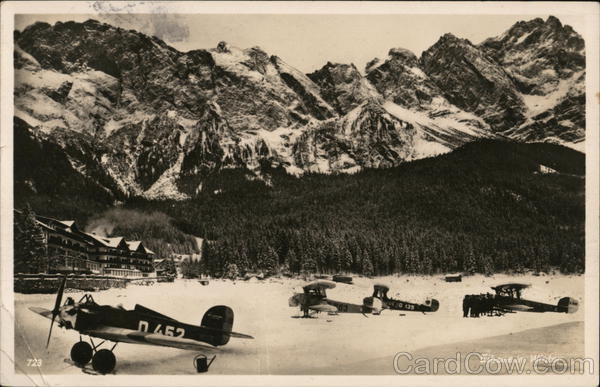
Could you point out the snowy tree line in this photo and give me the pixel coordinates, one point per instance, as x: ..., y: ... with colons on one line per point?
x: 304, y: 252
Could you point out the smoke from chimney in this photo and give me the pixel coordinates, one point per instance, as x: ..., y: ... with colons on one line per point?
x: 100, y: 227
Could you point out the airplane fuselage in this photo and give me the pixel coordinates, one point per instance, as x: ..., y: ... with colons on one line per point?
x: 88, y: 317
x: 390, y: 303
x: 521, y: 304
x: 307, y: 300
x: 345, y: 307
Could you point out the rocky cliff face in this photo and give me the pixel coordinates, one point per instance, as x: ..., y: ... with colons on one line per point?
x: 474, y: 82
x: 165, y: 116
x: 343, y: 87
x: 546, y: 62
x: 527, y: 84
x: 145, y: 119
x: 411, y: 93
x: 401, y: 80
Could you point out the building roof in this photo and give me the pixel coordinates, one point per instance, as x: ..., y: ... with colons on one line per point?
x: 70, y: 227
x: 133, y: 245
x: 67, y: 226
x: 44, y: 225
x: 114, y: 242
x: 98, y: 238
x: 54, y: 222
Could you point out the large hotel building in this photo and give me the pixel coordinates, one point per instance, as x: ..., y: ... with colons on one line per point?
x: 72, y: 250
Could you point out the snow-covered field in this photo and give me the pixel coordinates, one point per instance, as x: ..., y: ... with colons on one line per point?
x: 287, y: 345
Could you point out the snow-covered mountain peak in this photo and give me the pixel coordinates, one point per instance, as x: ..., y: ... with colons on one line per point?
x: 145, y: 119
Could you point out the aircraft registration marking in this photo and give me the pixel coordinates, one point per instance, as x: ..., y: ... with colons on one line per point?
x: 342, y: 307
x: 401, y: 305
x: 166, y: 330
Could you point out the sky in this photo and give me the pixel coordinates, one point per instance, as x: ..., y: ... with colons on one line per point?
x: 308, y: 42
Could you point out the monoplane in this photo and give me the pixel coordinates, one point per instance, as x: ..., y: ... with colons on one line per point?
x: 138, y: 326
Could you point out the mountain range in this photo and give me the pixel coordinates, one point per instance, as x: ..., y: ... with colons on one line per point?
x: 135, y: 117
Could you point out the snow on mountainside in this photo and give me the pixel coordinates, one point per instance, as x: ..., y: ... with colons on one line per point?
x: 473, y: 82
x: 411, y: 95
x: 439, y: 134
x: 547, y: 63
x: 157, y: 122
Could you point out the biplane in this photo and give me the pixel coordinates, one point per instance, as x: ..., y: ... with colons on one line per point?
x: 314, y: 298
x: 508, y: 299
x: 138, y: 326
x: 380, y: 292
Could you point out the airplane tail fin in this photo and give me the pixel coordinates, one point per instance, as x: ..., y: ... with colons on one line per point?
x: 568, y: 305
x: 220, y: 319
x: 433, y: 304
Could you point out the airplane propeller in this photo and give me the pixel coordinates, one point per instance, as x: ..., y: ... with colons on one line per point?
x: 56, y: 310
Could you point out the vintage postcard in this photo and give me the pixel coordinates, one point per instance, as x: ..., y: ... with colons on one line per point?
x: 329, y: 193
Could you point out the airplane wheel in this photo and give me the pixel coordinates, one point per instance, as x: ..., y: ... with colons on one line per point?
x: 81, y: 353
x: 104, y: 361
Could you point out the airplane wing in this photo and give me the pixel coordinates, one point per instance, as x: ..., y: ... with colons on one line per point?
x: 516, y: 286
x: 519, y: 307
x: 148, y: 338
x: 319, y: 284
x: 323, y: 308
x: 42, y: 312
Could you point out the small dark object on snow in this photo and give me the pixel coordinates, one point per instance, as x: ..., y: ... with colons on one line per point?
x: 202, y: 364
x: 453, y: 278
x: 342, y: 278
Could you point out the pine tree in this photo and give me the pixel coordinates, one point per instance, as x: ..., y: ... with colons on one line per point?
x: 469, y: 264
x: 267, y: 260
x: 232, y: 271
x: 425, y: 262
x: 30, y: 254
x: 190, y: 269
x: 345, y: 258
x: 486, y: 265
x: 209, y: 256
x: 309, y: 266
x: 170, y: 268
x: 241, y: 259
x: 367, y: 265
x: 292, y: 261
x: 412, y: 264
